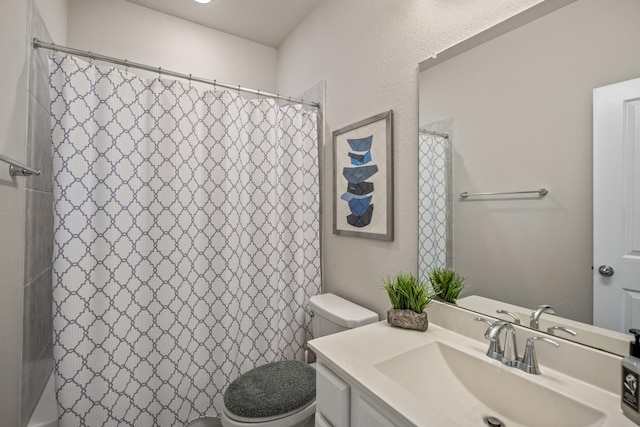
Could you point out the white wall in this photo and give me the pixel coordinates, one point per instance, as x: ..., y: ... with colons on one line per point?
x: 522, y: 111
x: 128, y: 31
x: 368, y: 52
x: 13, y: 126
x: 54, y: 13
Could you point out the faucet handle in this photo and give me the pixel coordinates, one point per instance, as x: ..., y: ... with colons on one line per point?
x: 529, y: 362
x: 515, y: 317
x: 552, y: 329
x: 483, y: 319
x: 495, y: 347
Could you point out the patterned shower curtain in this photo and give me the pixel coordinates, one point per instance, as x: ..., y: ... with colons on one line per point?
x: 435, y: 216
x: 186, y: 243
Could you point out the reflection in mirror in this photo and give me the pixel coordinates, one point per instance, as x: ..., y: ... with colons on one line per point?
x: 523, y: 114
x: 435, y: 181
x: 583, y: 333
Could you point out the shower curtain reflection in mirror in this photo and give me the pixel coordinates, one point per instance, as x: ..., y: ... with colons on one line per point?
x: 435, y: 197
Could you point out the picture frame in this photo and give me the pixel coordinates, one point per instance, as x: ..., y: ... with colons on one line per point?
x: 363, y: 178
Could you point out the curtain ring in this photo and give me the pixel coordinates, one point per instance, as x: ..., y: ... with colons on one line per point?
x: 189, y: 79
x: 91, y: 58
x: 126, y: 66
x: 159, y: 72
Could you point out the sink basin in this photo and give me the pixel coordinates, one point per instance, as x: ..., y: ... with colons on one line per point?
x: 467, y: 389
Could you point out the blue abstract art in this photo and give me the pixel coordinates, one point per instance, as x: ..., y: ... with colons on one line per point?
x: 363, y: 165
x: 361, y: 144
x: 360, y: 159
x: 361, y: 174
x: 360, y: 188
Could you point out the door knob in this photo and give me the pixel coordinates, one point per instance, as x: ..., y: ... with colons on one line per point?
x: 606, y: 270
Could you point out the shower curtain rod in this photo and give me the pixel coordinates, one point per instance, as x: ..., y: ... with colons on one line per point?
x: 434, y: 133
x: 94, y: 56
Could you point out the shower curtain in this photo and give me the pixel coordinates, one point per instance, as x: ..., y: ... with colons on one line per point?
x: 186, y: 242
x: 435, y: 186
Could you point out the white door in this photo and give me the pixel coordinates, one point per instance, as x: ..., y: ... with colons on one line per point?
x: 616, y: 206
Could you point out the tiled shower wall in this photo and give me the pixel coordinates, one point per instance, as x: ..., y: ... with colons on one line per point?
x: 37, y: 356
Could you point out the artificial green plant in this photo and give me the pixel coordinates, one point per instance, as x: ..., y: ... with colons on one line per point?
x: 446, y: 283
x: 406, y: 292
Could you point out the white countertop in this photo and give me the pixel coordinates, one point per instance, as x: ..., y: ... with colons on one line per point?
x: 357, y: 352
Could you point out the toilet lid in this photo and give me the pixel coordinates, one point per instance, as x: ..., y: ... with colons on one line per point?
x: 270, y: 390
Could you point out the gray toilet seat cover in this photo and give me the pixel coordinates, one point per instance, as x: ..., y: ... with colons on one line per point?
x: 272, y: 389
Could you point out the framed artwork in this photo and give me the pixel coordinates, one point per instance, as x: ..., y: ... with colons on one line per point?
x: 363, y: 178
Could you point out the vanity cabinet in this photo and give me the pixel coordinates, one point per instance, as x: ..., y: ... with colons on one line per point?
x: 341, y: 402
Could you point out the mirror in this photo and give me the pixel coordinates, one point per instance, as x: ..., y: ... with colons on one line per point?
x: 519, y: 113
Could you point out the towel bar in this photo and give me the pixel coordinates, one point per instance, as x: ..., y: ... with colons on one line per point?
x: 17, y: 168
x: 542, y: 192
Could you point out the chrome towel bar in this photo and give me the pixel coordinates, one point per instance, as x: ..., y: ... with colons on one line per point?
x: 17, y: 168
x: 541, y: 192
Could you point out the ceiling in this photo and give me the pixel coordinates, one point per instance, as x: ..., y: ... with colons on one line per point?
x: 266, y: 22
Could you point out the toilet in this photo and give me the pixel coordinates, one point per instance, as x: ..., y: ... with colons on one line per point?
x: 282, y: 394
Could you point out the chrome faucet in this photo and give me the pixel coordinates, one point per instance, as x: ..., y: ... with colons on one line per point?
x: 495, y: 348
x: 535, y: 314
x: 509, y: 354
x: 529, y: 362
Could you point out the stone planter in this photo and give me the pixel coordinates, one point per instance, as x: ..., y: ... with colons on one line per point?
x: 408, y: 319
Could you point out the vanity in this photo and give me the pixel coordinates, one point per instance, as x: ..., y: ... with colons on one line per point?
x: 379, y: 375
x: 507, y: 180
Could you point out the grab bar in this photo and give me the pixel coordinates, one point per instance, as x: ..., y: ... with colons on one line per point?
x: 542, y: 192
x: 17, y: 168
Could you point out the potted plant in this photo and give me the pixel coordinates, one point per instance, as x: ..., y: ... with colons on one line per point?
x: 408, y: 299
x: 447, y: 283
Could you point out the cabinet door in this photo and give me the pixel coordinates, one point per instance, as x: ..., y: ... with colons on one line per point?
x: 366, y: 415
x: 332, y: 397
x: 321, y: 422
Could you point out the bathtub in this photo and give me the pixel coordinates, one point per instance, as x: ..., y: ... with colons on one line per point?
x: 46, y: 412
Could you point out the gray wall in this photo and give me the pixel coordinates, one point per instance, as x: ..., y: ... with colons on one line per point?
x: 13, y: 135
x: 26, y: 220
x: 37, y: 356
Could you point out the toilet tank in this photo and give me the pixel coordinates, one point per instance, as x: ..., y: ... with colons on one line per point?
x: 332, y: 314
